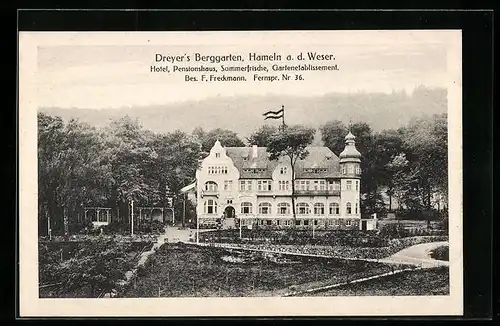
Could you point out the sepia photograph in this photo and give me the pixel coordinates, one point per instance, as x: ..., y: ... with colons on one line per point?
x: 242, y: 165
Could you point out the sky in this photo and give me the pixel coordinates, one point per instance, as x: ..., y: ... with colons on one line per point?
x: 117, y: 74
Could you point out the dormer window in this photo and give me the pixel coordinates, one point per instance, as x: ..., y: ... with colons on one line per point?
x: 217, y: 155
x: 283, y: 170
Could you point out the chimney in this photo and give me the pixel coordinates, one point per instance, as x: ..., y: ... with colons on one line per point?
x: 254, y: 151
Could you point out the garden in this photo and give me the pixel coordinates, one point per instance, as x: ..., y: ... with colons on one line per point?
x: 85, y: 269
x: 184, y: 270
x: 355, y: 244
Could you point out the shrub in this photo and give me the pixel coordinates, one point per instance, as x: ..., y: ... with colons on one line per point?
x: 121, y: 228
x: 440, y: 253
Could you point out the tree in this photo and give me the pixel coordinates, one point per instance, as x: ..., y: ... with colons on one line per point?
x: 226, y: 137
x: 291, y: 143
x: 426, y: 144
x: 387, y: 144
x: 332, y: 134
x: 71, y: 169
x: 261, y: 136
x: 131, y: 154
x: 178, y: 160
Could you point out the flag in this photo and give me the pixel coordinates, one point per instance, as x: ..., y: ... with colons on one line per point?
x: 273, y: 114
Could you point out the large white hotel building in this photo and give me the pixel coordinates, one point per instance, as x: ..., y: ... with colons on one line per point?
x: 242, y: 184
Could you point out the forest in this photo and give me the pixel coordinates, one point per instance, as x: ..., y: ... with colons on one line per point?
x: 404, y: 170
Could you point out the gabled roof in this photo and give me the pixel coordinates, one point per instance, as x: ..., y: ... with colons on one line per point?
x: 262, y: 167
x: 188, y: 187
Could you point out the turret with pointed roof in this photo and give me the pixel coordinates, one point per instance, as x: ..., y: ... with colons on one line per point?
x: 350, y: 153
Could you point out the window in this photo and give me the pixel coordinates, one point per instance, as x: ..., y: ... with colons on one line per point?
x: 350, y: 169
x: 217, y: 155
x: 283, y: 170
x: 217, y: 170
x: 287, y: 222
x: 210, y: 186
x: 357, y: 185
x: 307, y: 184
x: 334, y: 209
x: 302, y: 208
x: 210, y: 207
x: 228, y: 185
x: 306, y: 222
x: 229, y: 201
x: 348, y: 222
x: 316, y: 185
x: 245, y: 185
x: 356, y: 209
x: 283, y: 209
x: 284, y: 185
x: 349, y: 184
x: 277, y: 222
x: 264, y: 185
x: 246, y: 208
x: 336, y: 185
x: 297, y: 222
x: 344, y: 171
x: 269, y: 222
x: 322, y: 185
x: 348, y: 208
x: 358, y: 170
x: 319, y: 209
x: 264, y: 208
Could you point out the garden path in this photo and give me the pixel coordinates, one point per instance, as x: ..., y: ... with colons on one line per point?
x: 418, y: 255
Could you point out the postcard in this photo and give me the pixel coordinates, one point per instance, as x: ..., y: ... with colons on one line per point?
x: 240, y: 173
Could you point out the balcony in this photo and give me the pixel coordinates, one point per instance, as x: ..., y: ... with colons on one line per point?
x: 210, y: 193
x: 317, y: 192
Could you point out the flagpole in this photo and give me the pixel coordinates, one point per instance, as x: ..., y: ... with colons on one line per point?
x: 283, y: 117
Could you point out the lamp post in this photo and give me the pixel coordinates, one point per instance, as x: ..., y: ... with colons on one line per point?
x: 49, y: 230
x: 197, y: 230
x: 240, y: 227
x: 184, y: 210
x: 132, y: 216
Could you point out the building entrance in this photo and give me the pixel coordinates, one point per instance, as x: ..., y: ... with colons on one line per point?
x: 229, y: 212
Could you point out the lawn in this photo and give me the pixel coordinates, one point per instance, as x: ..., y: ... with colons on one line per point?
x: 180, y: 270
x: 432, y: 281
